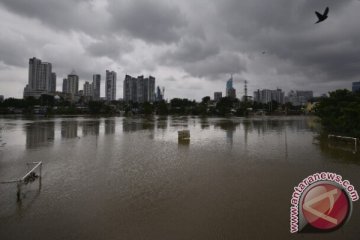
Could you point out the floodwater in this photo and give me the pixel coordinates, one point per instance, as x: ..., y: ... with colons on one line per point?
x: 130, y: 178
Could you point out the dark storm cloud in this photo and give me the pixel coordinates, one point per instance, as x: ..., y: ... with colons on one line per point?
x: 151, y: 21
x: 63, y: 15
x: 201, y: 58
x: 286, y: 29
x: 205, y: 39
x: 247, y: 18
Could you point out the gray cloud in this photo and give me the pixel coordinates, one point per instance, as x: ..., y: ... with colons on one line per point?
x: 191, y: 50
x: 170, y: 79
x: 286, y: 29
x: 79, y: 15
x: 156, y: 22
x: 205, y: 40
x: 12, y: 51
x: 216, y: 67
x: 109, y: 47
x: 201, y: 58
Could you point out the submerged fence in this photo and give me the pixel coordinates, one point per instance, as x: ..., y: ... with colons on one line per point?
x: 331, y: 136
x: 29, y: 177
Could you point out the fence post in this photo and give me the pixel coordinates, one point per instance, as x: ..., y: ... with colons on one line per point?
x: 18, y: 192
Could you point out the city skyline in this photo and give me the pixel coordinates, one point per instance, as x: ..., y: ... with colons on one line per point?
x: 42, y: 81
x: 188, y: 52
x: 52, y: 84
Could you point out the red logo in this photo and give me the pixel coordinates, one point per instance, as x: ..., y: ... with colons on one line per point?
x: 325, y: 207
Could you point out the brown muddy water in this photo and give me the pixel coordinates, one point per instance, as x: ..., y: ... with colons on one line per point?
x: 130, y: 178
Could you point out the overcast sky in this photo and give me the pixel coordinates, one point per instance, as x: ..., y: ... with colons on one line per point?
x: 190, y: 46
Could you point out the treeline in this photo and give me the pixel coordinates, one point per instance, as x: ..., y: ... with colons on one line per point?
x: 48, y: 105
x: 224, y: 107
x: 340, y: 113
x: 177, y: 106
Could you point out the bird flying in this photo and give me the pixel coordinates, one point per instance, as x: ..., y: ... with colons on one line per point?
x: 322, y: 17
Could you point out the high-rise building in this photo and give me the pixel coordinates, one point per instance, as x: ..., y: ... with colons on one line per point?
x: 356, y: 86
x: 64, y: 85
x: 278, y: 96
x: 299, y: 98
x: 217, y: 96
x: 40, y: 78
x: 110, y: 85
x: 140, y: 85
x: 266, y: 96
x: 34, y: 73
x: 46, y: 76
x: 96, y: 86
x: 150, y: 89
x: 1, y: 98
x: 139, y: 89
x: 71, y: 84
x: 129, y: 83
x: 39, y: 74
x: 88, y: 89
x: 230, y: 90
x: 53, y: 83
x: 257, y: 96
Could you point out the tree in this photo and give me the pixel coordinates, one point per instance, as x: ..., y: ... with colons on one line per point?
x: 340, y: 112
x: 95, y: 107
x: 181, y: 106
x: 47, y: 100
x: 205, y: 100
x: 225, y: 105
x: 162, y: 108
x: 147, y: 108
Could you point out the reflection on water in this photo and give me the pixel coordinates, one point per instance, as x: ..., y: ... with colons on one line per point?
x: 244, y: 133
x: 138, y: 124
x: 109, y: 126
x: 130, y: 178
x: 90, y: 128
x: 69, y: 129
x: 179, y: 121
x: 162, y: 123
x: 39, y: 133
x: 229, y: 127
x: 204, y: 123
